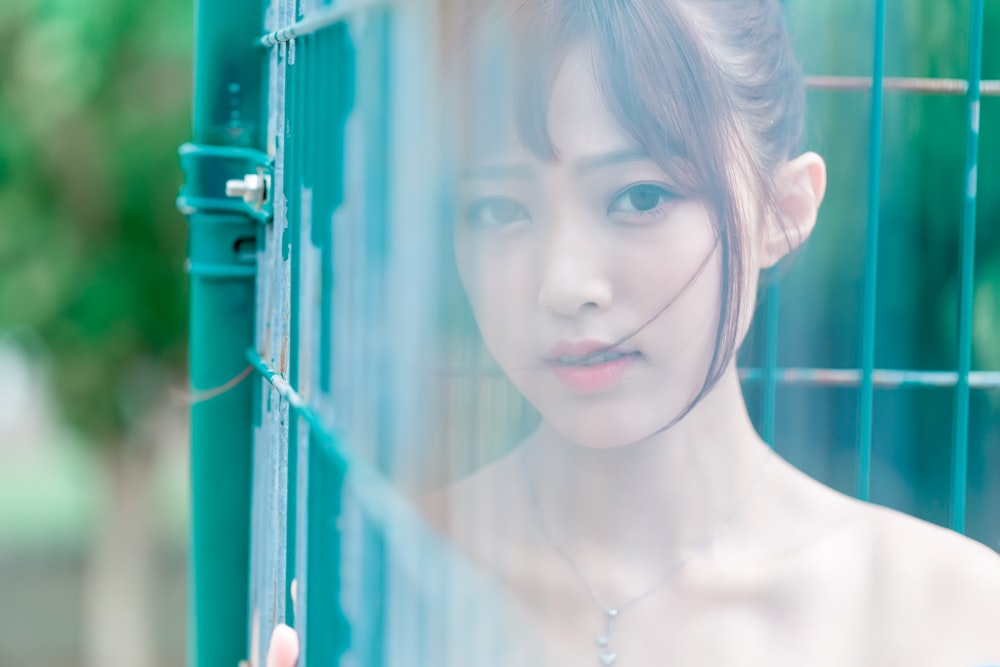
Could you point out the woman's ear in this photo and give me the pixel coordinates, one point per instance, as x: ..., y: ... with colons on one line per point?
x: 800, y: 185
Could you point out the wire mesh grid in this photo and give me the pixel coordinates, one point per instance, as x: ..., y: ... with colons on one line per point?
x: 339, y: 275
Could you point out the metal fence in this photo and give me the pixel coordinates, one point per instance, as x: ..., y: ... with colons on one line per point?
x: 313, y: 332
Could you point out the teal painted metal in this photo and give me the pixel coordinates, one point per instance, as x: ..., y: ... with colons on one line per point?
x: 382, y: 499
x: 275, y: 443
x: 209, y: 168
x: 327, y: 633
x: 228, y: 138
x: 871, y: 259
x: 222, y: 237
x: 330, y: 81
x: 372, y: 102
x: 300, y: 406
x: 301, y: 476
x: 770, y: 361
x: 321, y: 18
x: 960, y: 461
x: 881, y: 377
x: 295, y: 97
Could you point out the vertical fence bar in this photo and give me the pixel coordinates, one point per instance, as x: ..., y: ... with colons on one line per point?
x: 295, y: 147
x: 771, y: 361
x: 871, y: 259
x: 771, y: 342
x: 372, y: 247
x: 960, y: 453
x: 227, y: 113
x: 330, y: 77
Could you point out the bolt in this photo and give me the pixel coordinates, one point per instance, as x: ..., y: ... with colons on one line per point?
x: 252, y: 188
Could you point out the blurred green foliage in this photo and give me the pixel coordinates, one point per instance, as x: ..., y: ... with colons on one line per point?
x: 94, y: 100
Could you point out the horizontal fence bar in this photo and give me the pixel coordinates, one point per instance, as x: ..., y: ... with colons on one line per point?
x: 822, y: 377
x: 285, y: 390
x: 881, y: 378
x: 325, y: 18
x: 913, y: 84
x: 933, y: 86
x: 382, y: 500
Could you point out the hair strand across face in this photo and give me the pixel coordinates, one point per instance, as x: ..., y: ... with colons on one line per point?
x: 710, y: 90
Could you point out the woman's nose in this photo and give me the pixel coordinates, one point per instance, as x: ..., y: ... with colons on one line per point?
x: 573, y: 279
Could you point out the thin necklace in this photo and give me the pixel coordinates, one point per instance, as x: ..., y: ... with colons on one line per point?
x: 607, y: 654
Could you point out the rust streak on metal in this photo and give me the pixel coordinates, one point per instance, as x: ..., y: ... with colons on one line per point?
x: 283, y: 361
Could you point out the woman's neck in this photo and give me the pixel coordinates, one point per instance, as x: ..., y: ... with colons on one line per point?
x: 653, y: 500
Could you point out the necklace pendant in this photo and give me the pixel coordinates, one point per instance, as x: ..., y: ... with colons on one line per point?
x: 607, y: 656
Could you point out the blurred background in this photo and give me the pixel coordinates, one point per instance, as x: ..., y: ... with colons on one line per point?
x: 94, y: 101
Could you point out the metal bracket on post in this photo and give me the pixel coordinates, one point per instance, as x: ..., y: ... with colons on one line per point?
x: 226, y: 197
x: 222, y: 179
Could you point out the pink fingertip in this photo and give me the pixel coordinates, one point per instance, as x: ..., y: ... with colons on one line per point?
x: 284, y: 648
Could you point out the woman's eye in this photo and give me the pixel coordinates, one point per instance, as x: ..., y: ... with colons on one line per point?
x: 643, y: 199
x: 496, y: 211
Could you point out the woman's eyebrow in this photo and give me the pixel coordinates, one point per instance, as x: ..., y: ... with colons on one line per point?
x: 500, y: 171
x: 582, y: 165
x: 595, y: 162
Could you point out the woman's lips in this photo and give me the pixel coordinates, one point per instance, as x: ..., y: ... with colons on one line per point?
x: 582, y: 367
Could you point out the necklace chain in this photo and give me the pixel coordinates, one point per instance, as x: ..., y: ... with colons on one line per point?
x: 607, y: 655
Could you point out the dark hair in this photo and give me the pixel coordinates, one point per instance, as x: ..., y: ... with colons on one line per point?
x: 709, y: 88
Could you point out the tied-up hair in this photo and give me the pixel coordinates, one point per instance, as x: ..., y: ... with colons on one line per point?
x: 710, y: 89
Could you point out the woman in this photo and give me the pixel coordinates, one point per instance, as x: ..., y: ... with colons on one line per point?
x: 617, y: 208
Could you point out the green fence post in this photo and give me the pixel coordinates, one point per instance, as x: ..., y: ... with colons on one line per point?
x: 228, y: 138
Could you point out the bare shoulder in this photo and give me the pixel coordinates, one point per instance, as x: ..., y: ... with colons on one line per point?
x: 907, y: 556
x: 936, y: 558
x: 919, y: 594
x: 942, y: 589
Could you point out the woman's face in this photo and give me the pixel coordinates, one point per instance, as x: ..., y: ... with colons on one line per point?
x: 563, y: 257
